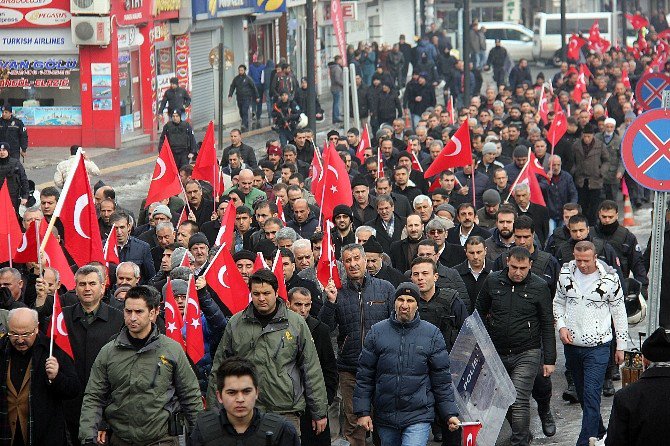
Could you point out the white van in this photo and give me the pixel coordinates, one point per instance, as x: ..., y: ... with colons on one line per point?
x: 547, y: 30
x: 517, y: 39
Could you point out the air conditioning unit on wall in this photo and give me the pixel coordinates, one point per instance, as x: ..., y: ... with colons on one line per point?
x: 91, y: 30
x: 97, y: 7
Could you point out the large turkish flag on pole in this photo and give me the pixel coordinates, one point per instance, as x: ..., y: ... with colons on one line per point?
x: 165, y: 181
x: 456, y: 153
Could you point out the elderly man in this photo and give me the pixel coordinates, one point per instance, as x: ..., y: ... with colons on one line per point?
x: 354, y: 308
x: 423, y: 206
x: 127, y: 273
x: 592, y: 159
x: 245, y: 185
x: 302, y: 251
x: 11, y: 279
x: 199, y: 247
x: 165, y: 235
x: 536, y: 212
x: 449, y: 254
x: 36, y: 383
x: 376, y: 267
x: 200, y: 210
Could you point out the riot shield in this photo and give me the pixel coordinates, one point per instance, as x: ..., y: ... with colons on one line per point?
x: 482, y: 387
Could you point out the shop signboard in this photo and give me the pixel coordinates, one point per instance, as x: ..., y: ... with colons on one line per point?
x: 36, y: 40
x: 34, y: 13
x: 209, y: 9
x: 38, y: 72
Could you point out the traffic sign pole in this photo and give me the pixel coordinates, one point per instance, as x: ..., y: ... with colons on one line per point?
x: 657, y: 240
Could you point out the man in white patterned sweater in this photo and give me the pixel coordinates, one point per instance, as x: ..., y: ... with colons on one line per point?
x: 588, y: 298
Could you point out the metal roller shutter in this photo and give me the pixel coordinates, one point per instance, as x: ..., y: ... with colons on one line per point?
x: 202, y: 92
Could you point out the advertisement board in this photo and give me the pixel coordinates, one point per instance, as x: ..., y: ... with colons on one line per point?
x: 34, y: 13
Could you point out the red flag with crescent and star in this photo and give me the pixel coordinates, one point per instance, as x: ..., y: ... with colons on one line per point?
x: 227, y: 282
x: 637, y: 21
x: 326, y: 268
x: 558, y: 126
x: 111, y: 249
x: 207, y: 164
x: 28, y: 249
x: 456, y: 153
x: 165, y: 181
x: 470, y: 432
x: 10, y: 231
x: 335, y: 183
x: 575, y: 44
x: 81, y: 231
x: 173, y: 320
x: 226, y: 233
x: 195, y: 343
x: 55, y: 258
x: 57, y: 330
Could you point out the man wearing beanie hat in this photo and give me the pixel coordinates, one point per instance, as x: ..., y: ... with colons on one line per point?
x: 487, y: 214
x: 640, y: 411
x: 376, y: 267
x: 592, y: 160
x: 488, y: 164
x: 403, y: 414
x: 198, y: 245
x: 519, y: 158
x: 611, y: 140
x: 343, y: 232
x: 244, y: 260
x: 175, y: 97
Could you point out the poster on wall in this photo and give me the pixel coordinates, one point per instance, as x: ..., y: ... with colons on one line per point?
x: 127, y: 124
x: 102, y: 104
x: 48, y: 116
x: 101, y: 83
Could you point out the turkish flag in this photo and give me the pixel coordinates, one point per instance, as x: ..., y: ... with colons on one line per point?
x: 195, y: 343
x: 28, y: 249
x: 641, y: 43
x: 637, y: 21
x: 207, y: 164
x: 535, y: 166
x: 226, y: 234
x: 470, y: 432
x: 335, y: 185
x: 575, y: 44
x: 580, y: 86
x: 527, y: 176
x: 278, y: 270
x: 280, y: 210
x: 456, y: 153
x: 435, y: 184
x: 326, y: 268
x: 10, y: 231
x: 227, y: 282
x: 111, y: 249
x: 55, y: 258
x: 165, y: 182
x: 364, y: 144
x: 183, y: 216
x: 80, y: 222
x: 173, y: 320
x: 596, y: 42
x: 57, y: 330
x: 557, y: 129
x: 625, y: 80
x: 259, y: 263
x: 317, y: 170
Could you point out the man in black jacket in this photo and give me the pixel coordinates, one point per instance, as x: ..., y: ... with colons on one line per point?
x: 175, y: 97
x: 387, y: 106
x: 376, y: 267
x: 35, y: 417
x: 475, y: 269
x: 496, y: 60
x: 517, y: 309
x: 247, y: 152
x: 388, y: 224
x: 13, y: 132
x: 300, y: 300
x: 403, y: 251
x: 90, y: 324
x: 246, y: 94
x: 181, y: 138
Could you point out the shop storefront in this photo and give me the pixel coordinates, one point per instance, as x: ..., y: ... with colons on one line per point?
x: 96, y: 96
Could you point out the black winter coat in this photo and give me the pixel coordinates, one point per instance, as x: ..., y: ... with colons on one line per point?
x: 518, y: 316
x: 46, y: 411
x: 324, y: 349
x: 473, y: 286
x: 180, y: 136
x: 245, y: 87
x: 388, y: 107
x: 12, y: 170
x: 354, y: 312
x: 13, y: 132
x: 638, y: 409
x: 404, y: 373
x: 175, y: 99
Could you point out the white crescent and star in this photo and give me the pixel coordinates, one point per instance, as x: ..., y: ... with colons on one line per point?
x: 59, y: 325
x: 459, y: 146
x: 24, y: 244
x: 160, y: 163
x: 222, y: 271
x: 332, y: 169
x: 195, y: 322
x: 79, y: 206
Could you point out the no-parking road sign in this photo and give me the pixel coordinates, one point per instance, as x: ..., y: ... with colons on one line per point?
x: 645, y: 150
x: 649, y: 90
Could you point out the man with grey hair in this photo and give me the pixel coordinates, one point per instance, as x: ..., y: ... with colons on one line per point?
x: 449, y: 254
x: 363, y: 234
x: 127, y: 273
x: 302, y: 251
x: 90, y: 324
x: 354, y: 308
x: 32, y: 214
x: 536, y: 212
x: 423, y: 206
x: 36, y: 383
x: 285, y: 238
x: 388, y: 224
x: 12, y: 281
x: 165, y: 236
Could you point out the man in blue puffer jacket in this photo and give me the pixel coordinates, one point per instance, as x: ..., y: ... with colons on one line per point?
x: 404, y: 369
x: 362, y: 302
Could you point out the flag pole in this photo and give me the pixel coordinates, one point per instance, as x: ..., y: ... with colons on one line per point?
x: 53, y: 325
x: 511, y: 189
x: 323, y: 188
x: 474, y: 201
x: 61, y: 199
x: 9, y: 247
x: 39, y: 251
